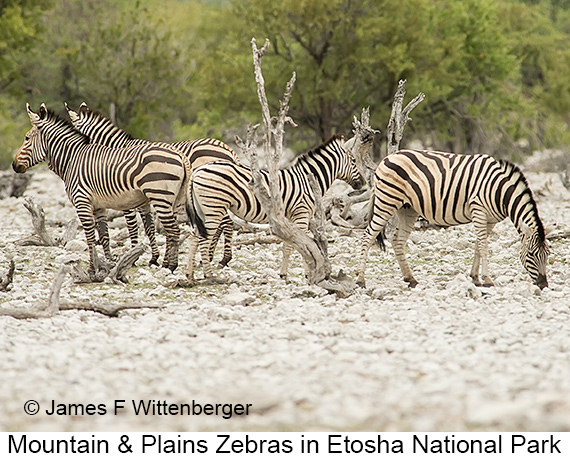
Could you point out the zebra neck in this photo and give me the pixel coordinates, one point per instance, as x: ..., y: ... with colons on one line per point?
x: 63, y: 150
x: 108, y: 134
x: 524, y: 215
x: 324, y: 175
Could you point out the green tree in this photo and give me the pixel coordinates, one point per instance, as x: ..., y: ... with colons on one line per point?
x: 110, y: 54
x: 19, y: 28
x: 351, y: 53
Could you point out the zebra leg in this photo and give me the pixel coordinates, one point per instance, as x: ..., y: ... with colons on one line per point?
x: 475, y: 268
x: 287, y: 250
x: 103, y: 230
x: 205, y: 256
x: 482, y: 230
x: 380, y: 215
x: 406, y: 220
x: 150, y: 231
x: 227, y: 226
x: 97, y: 269
x: 368, y: 238
x: 194, y: 240
x: 132, y: 226
x: 303, y: 223
x: 214, y: 242
x: 172, y: 237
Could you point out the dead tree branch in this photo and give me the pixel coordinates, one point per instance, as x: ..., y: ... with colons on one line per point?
x: 361, y: 143
x: 13, y: 184
x: 107, y: 308
x: 8, y: 277
x: 117, y: 273
x: 70, y: 231
x: 565, y: 178
x: 259, y: 239
x: 399, y: 116
x: 340, y: 208
x: 396, y: 125
x: 54, y: 305
x: 40, y: 310
x: 317, y: 227
x: 270, y: 194
x: 40, y: 237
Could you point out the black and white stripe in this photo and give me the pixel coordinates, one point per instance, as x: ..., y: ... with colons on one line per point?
x: 101, y: 130
x: 450, y: 189
x: 218, y: 187
x: 98, y: 177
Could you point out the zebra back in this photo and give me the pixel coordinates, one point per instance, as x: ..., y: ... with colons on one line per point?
x: 220, y: 185
x: 101, y: 130
x: 105, y: 171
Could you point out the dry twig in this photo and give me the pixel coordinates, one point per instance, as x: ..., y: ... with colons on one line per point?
x: 40, y: 237
x: 400, y: 116
x: 8, y: 277
x: 54, y: 305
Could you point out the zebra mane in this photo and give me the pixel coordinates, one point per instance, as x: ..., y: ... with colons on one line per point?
x: 55, y: 119
x: 96, y: 114
x: 317, y: 149
x: 515, y: 171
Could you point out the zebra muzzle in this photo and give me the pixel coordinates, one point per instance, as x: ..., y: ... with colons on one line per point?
x: 541, y: 281
x: 18, y: 167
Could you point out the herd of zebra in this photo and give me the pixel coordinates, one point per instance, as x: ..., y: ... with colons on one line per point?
x: 103, y: 167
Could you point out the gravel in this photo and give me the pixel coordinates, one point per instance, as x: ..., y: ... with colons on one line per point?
x: 445, y: 356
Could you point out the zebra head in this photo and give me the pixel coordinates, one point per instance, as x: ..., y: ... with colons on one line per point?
x: 81, y: 117
x: 534, y: 255
x: 97, y: 127
x: 33, y: 149
x: 348, y: 171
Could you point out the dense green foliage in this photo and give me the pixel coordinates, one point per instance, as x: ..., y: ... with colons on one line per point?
x: 495, y: 73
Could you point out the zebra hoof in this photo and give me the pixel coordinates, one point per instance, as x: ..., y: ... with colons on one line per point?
x: 487, y: 282
x: 153, y: 261
x: 98, y: 276
x: 224, y: 262
x: 171, y: 266
x: 411, y: 282
x: 361, y: 283
x: 476, y: 280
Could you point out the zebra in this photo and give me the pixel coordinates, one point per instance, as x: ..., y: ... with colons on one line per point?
x: 101, y: 130
x: 450, y: 189
x: 218, y: 187
x: 98, y: 177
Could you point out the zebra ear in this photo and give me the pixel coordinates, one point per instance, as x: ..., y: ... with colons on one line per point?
x: 525, y: 229
x: 72, y: 114
x: 349, y: 144
x: 43, y: 111
x: 83, y: 108
x: 34, y: 118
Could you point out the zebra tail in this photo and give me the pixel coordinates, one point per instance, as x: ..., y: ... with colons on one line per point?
x: 195, y: 212
x: 380, y: 238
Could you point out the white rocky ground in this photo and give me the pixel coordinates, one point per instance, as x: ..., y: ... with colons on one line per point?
x: 444, y: 356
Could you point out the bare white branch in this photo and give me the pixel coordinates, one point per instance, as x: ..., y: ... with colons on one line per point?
x: 400, y: 116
